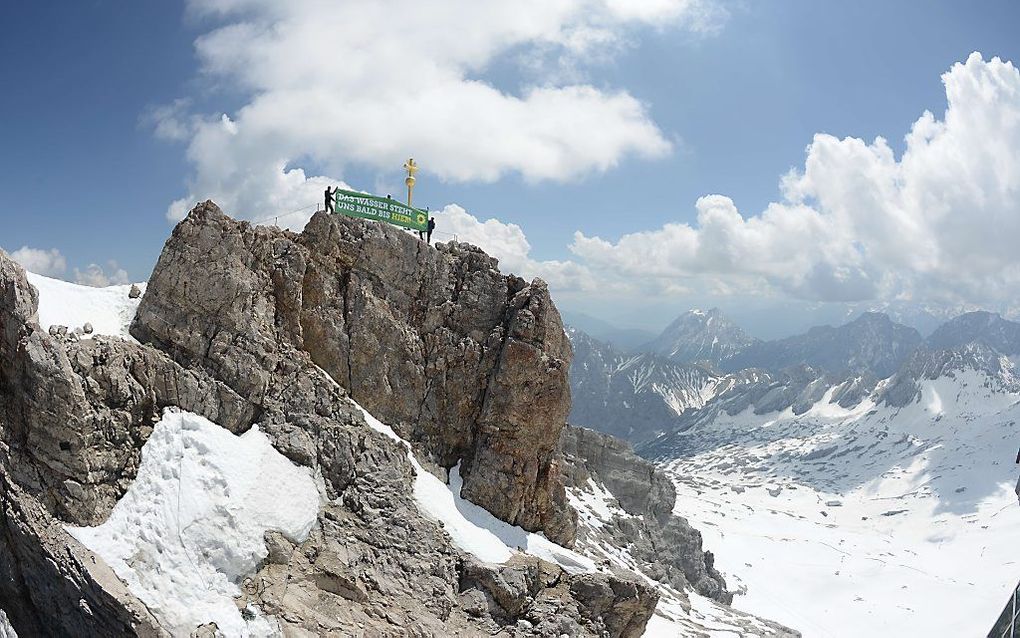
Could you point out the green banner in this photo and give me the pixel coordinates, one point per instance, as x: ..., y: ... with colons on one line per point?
x: 383, y: 209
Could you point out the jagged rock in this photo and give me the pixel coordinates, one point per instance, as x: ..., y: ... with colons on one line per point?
x: 87, y: 328
x: 621, y: 603
x: 468, y: 363
x: 640, y: 488
x: 135, y: 292
x: 618, y: 605
x: 51, y: 585
x: 666, y: 547
x: 85, y: 410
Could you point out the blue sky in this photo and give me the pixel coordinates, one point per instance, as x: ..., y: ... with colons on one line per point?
x: 84, y: 171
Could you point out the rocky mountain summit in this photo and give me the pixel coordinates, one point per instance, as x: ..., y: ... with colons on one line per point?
x: 289, y: 336
x: 701, y: 335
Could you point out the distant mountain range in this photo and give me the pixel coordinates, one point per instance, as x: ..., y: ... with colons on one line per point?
x: 836, y: 484
x: 871, y: 344
x: 703, y: 363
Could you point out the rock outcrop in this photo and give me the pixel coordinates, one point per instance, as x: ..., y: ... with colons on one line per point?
x: 251, y: 326
x: 469, y: 364
x: 243, y: 349
x: 664, y: 546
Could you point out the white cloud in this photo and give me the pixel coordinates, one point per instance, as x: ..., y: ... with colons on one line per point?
x: 50, y: 263
x: 334, y: 84
x: 507, y: 243
x: 95, y: 275
x: 939, y: 224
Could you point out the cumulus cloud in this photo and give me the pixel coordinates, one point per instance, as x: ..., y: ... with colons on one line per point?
x: 100, y: 277
x: 508, y: 244
x: 938, y: 224
x: 50, y: 263
x: 334, y: 84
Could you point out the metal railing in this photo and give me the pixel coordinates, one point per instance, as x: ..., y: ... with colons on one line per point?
x: 1008, y: 624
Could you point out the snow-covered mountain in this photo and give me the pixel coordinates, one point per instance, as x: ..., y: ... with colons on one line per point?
x: 632, y: 396
x: 872, y: 345
x: 849, y: 507
x: 700, y: 335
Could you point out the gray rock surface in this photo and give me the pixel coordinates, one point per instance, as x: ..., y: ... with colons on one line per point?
x: 51, y: 585
x: 662, y: 545
x: 468, y: 363
x: 666, y: 547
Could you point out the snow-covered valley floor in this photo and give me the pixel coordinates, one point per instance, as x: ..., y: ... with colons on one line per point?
x: 109, y: 310
x: 874, y: 521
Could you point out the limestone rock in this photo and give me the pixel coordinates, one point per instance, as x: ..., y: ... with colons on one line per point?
x: 666, y: 547
x: 51, y: 585
x: 469, y: 364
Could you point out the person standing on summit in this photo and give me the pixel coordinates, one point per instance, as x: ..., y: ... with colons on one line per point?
x: 431, y: 227
x: 329, y: 200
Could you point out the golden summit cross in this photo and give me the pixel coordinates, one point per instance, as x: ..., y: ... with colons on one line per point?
x: 411, y: 167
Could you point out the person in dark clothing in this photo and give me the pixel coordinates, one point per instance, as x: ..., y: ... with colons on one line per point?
x: 329, y: 200
x: 432, y: 227
x: 1018, y: 479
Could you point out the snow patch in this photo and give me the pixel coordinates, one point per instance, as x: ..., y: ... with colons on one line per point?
x: 471, y: 527
x: 6, y: 631
x: 61, y: 303
x: 191, y: 525
x: 596, y: 505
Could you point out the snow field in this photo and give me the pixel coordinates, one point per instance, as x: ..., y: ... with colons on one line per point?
x: 472, y: 528
x: 62, y: 303
x: 874, y: 521
x: 191, y: 525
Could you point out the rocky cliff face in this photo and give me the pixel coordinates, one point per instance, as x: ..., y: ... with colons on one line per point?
x: 666, y: 547
x: 467, y: 362
x: 657, y: 543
